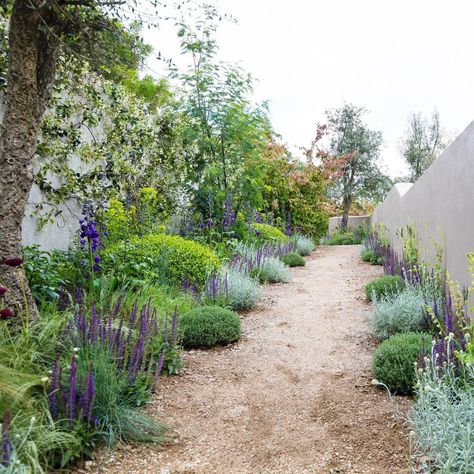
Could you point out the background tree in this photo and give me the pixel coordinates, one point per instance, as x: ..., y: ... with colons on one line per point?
x: 41, y: 34
x: 350, y: 158
x: 423, y: 141
x: 224, y: 132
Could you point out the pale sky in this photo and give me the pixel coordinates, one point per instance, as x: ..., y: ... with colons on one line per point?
x: 391, y: 57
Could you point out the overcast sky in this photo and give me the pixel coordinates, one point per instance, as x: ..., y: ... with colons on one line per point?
x: 391, y: 57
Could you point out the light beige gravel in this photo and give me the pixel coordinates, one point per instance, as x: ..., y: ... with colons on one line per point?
x: 293, y: 396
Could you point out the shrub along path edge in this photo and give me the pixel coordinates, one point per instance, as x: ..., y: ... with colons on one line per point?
x: 293, y: 396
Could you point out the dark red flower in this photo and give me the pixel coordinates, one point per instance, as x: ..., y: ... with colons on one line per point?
x: 6, y: 313
x: 3, y: 290
x: 13, y: 262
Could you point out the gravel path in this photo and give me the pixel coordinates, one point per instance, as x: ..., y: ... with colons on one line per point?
x: 293, y: 396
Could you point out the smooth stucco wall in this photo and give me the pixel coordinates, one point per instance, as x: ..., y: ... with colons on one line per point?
x: 440, y: 204
x: 352, y: 223
x: 60, y: 233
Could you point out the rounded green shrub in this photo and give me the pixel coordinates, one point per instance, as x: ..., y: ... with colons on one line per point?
x: 293, y: 260
x: 387, y: 285
x: 209, y: 326
x: 169, y: 258
x: 368, y: 255
x: 394, y: 360
x: 268, y: 232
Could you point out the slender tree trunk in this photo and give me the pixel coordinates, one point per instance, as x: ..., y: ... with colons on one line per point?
x: 31, y: 64
x: 347, y: 202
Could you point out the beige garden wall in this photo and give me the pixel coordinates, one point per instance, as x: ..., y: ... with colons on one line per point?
x: 440, y: 204
x: 352, y: 223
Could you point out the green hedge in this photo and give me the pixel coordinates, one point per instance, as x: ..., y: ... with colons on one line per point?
x: 209, y: 326
x: 394, y: 360
x: 168, y: 258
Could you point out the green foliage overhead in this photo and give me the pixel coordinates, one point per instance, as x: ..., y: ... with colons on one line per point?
x: 209, y: 326
x: 394, y: 360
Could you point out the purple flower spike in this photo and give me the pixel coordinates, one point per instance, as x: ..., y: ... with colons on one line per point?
x: 72, y: 389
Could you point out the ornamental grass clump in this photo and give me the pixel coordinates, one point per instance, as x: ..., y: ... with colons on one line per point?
x: 293, y: 260
x: 401, y: 313
x: 231, y: 288
x: 385, y: 286
x: 208, y: 326
x: 273, y: 270
x: 394, y: 360
x: 304, y: 245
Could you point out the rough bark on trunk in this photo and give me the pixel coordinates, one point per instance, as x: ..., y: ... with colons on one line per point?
x: 32, y: 59
x: 345, y: 215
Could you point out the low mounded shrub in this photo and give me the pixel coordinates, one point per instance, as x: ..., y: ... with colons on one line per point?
x: 394, y: 360
x: 399, y: 314
x: 268, y: 232
x: 368, y: 255
x: 342, y: 238
x: 273, y: 270
x: 293, y: 260
x: 385, y: 286
x: 167, y: 258
x: 304, y: 245
x: 209, y: 326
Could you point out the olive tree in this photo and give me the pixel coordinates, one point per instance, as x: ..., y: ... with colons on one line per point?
x: 42, y: 33
x: 351, y: 159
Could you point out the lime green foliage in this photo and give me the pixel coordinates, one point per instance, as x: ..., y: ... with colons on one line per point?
x: 409, y: 239
x: 161, y: 257
x: 209, y: 326
x: 293, y: 260
x: 387, y: 285
x: 267, y: 232
x: 394, y: 360
x: 164, y: 299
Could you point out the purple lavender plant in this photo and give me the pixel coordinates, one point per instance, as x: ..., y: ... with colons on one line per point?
x: 72, y: 399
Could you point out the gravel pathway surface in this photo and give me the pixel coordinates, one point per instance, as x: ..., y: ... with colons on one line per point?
x: 293, y: 396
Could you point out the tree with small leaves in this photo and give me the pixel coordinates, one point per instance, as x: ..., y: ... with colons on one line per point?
x: 350, y: 158
x: 423, y: 141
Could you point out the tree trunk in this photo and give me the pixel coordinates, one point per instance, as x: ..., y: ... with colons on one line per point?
x: 31, y: 64
x: 345, y: 215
